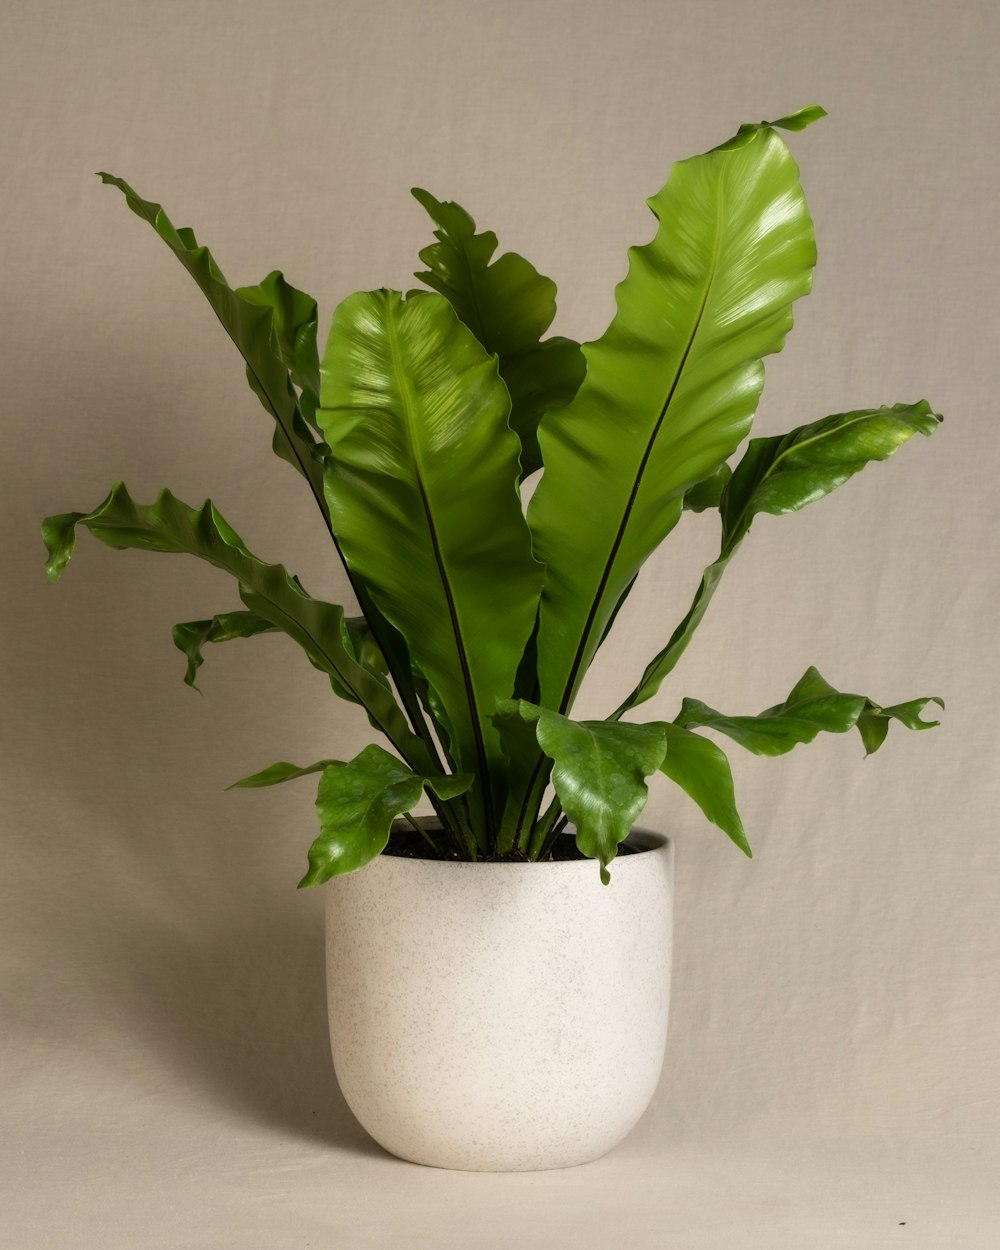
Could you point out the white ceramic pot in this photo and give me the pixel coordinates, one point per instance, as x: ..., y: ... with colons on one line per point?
x: 500, y: 1017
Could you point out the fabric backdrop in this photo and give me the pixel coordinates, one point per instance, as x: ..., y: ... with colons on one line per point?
x: 832, y: 1077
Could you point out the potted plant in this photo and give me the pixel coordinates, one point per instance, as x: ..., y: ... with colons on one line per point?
x: 495, y: 1002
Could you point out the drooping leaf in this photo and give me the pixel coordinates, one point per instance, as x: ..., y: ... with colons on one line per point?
x: 422, y: 486
x: 276, y: 774
x: 671, y: 387
x: 249, y: 318
x: 508, y: 305
x: 599, y: 773
x: 702, y: 771
x: 191, y: 636
x: 812, y: 707
x: 783, y: 474
x: 267, y: 590
x: 357, y: 802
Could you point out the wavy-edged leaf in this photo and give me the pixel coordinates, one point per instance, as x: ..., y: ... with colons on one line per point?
x: 170, y: 525
x: 783, y: 474
x: 599, y: 773
x: 273, y: 326
x: 191, y: 637
x: 813, y: 706
x: 671, y: 386
x: 787, y: 472
x: 508, y: 305
x: 422, y: 486
x: 357, y: 802
x: 277, y: 774
x: 294, y: 318
x: 702, y: 771
x: 249, y: 320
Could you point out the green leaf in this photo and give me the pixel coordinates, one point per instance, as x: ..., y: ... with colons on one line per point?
x: 708, y: 492
x: 801, y: 119
x: 266, y: 589
x: 278, y: 773
x: 873, y: 723
x: 422, y: 486
x: 273, y: 326
x: 783, y: 474
x: 508, y: 305
x: 812, y: 707
x: 191, y: 636
x: 599, y: 773
x: 249, y: 317
x: 702, y: 771
x: 357, y: 802
x: 787, y: 472
x: 294, y: 318
x: 671, y: 387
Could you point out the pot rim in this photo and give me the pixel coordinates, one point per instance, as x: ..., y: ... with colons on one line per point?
x: 639, y: 837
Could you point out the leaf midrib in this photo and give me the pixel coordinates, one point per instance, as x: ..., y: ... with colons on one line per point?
x: 409, y: 405
x: 640, y: 472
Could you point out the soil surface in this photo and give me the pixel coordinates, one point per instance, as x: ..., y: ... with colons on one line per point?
x: 409, y: 843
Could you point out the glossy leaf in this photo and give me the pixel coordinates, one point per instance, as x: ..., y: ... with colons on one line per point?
x: 812, y: 707
x: 599, y: 773
x: 671, y: 387
x: 702, y: 771
x: 249, y: 320
x: 357, y: 802
x: 267, y: 590
x: 787, y: 472
x: 508, y: 305
x: 783, y: 474
x: 422, y: 486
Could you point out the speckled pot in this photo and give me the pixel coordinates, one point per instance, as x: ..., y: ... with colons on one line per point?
x: 500, y: 1017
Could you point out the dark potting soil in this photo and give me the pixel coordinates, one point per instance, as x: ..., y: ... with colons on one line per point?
x: 409, y: 844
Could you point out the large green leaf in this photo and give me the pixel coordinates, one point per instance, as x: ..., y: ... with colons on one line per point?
x: 357, y: 802
x: 508, y: 305
x: 259, y: 320
x: 702, y: 771
x: 671, y: 387
x: 422, y: 486
x: 599, y: 773
x: 267, y: 590
x: 783, y: 474
x: 813, y: 706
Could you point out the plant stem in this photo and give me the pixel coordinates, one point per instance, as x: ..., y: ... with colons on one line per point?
x: 423, y: 833
x: 542, y: 829
x: 554, y: 833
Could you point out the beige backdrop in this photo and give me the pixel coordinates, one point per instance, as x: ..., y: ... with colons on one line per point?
x: 832, y: 1075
